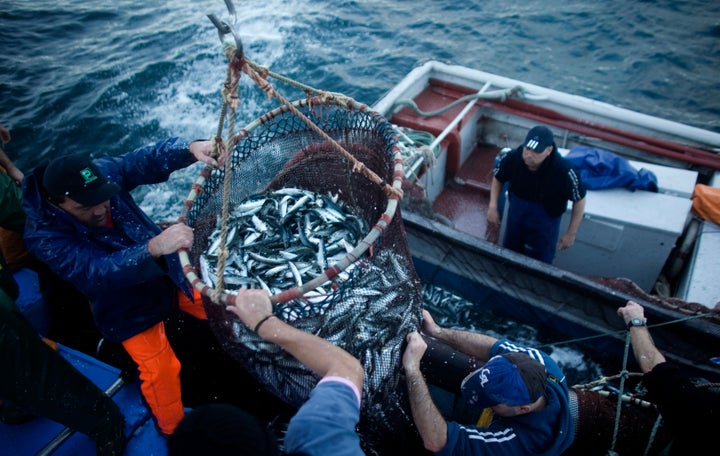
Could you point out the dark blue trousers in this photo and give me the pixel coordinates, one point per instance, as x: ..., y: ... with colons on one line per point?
x: 530, y: 230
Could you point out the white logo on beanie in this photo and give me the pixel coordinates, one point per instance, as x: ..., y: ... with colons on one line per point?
x: 483, y: 376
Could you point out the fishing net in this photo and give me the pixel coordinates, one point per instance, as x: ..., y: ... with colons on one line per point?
x: 368, y: 300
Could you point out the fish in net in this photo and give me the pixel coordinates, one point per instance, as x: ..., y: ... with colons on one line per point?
x: 366, y: 303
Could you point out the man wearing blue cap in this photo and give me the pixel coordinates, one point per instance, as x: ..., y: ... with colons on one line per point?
x: 523, y: 387
x: 541, y: 182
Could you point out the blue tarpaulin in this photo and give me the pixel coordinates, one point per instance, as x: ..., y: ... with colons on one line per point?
x: 601, y: 168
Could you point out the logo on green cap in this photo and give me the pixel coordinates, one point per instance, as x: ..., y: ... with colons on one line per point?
x: 87, y: 175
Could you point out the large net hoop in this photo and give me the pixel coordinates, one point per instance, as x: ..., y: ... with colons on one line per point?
x: 257, y: 159
x: 371, y: 297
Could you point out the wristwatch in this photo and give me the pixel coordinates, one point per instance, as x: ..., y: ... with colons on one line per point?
x: 637, y: 322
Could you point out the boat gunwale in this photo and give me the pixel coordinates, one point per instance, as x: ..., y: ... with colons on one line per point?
x: 419, y: 76
x: 668, y: 323
x: 703, y: 331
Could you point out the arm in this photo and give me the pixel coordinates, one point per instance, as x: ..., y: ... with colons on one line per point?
x: 4, y: 134
x: 5, y: 161
x: 493, y: 216
x: 568, y: 239
x: 646, y: 354
x: 428, y: 419
x: 477, y: 345
x: 88, y: 265
x: 320, y: 356
x: 151, y: 164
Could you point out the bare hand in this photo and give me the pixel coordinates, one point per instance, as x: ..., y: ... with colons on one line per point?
x: 429, y: 326
x: 15, y: 174
x: 251, y: 306
x: 493, y: 217
x: 566, y: 241
x: 202, y: 151
x: 414, y: 351
x: 174, y: 238
x: 630, y: 311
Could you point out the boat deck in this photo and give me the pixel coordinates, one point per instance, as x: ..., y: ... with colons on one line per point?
x: 465, y: 198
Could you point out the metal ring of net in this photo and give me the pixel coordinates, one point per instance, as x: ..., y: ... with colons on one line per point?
x: 378, y: 301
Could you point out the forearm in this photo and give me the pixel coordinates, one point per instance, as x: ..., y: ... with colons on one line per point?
x: 428, y: 419
x: 646, y: 354
x: 495, y: 190
x: 319, y: 355
x: 576, y: 216
x: 473, y: 344
x: 105, y: 273
x: 150, y: 164
x: 10, y: 168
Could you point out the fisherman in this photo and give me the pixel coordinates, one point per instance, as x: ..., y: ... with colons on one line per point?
x: 68, y: 319
x: 36, y: 380
x: 523, y: 392
x: 690, y: 407
x: 84, y: 223
x: 324, y: 424
x: 541, y: 182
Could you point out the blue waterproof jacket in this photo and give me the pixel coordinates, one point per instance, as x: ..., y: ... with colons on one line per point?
x: 129, y: 291
x: 601, y: 168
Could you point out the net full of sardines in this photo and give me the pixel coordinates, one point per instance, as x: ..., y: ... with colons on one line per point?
x: 307, y: 190
x: 282, y: 239
x: 310, y: 189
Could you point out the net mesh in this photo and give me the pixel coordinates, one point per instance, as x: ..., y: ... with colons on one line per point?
x: 370, y: 308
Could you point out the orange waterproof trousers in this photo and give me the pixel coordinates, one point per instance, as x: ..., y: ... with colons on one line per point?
x: 159, y: 368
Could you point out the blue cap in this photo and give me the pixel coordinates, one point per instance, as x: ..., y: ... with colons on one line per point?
x: 510, y: 379
x: 539, y: 138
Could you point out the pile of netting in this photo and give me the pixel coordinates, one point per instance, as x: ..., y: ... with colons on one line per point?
x: 367, y: 299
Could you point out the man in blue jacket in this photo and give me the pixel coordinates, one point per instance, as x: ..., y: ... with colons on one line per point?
x: 523, y: 390
x: 83, y: 222
x: 35, y: 379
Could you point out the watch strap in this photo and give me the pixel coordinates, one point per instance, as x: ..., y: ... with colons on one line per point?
x: 637, y: 322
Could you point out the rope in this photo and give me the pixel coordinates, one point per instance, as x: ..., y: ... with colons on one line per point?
x: 231, y: 100
x: 324, y: 94
x: 623, y: 375
x: 415, y: 149
x: 358, y: 166
x: 237, y: 64
x: 606, y: 380
x: 611, y: 333
x: 497, y: 94
x: 618, y: 410
x: 653, y: 433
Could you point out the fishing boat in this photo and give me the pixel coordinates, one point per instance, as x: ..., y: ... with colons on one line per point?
x: 443, y: 211
x: 644, y: 245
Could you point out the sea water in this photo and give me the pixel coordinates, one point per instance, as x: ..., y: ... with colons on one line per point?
x: 104, y: 77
